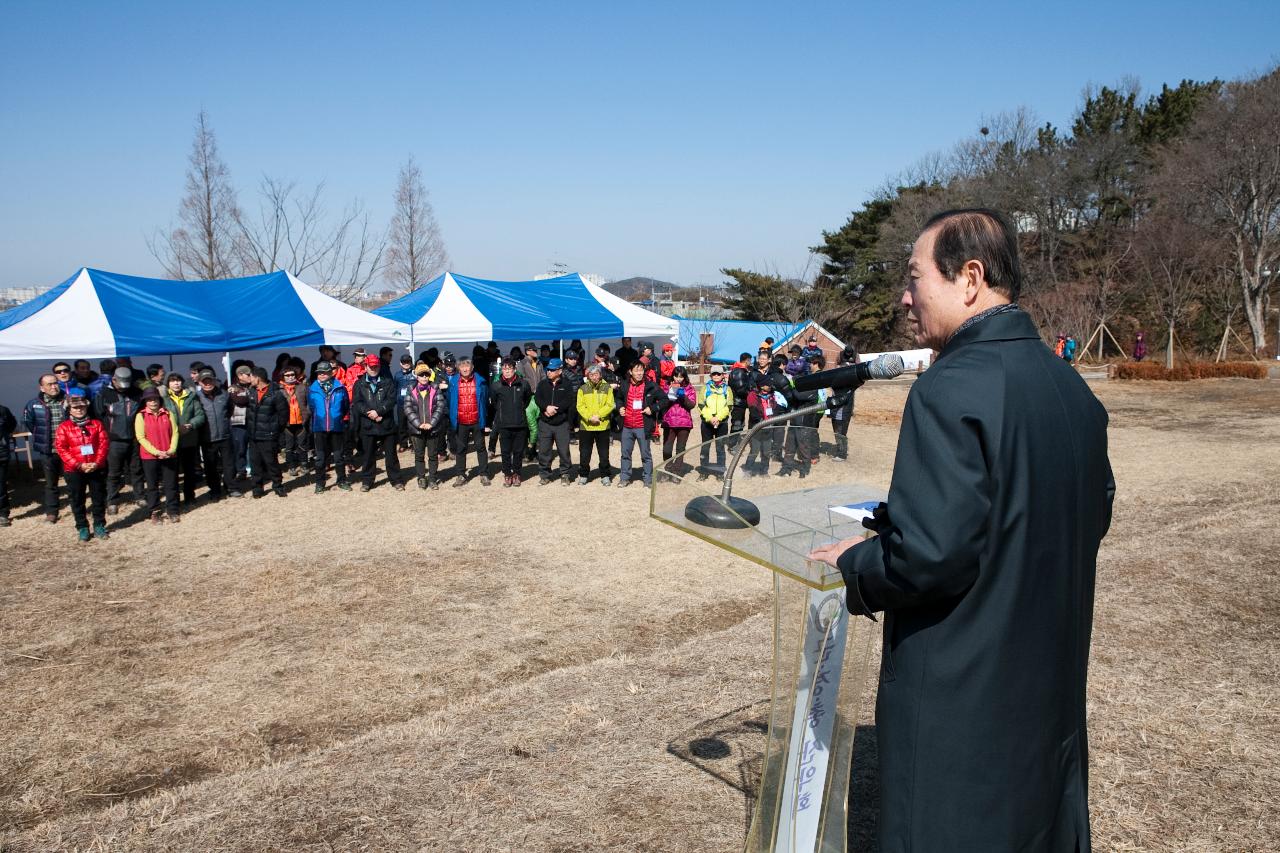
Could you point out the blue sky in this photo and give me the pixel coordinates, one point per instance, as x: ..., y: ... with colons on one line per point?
x: 624, y: 139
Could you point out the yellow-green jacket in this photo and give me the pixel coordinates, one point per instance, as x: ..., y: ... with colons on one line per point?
x: 716, y: 402
x: 595, y: 400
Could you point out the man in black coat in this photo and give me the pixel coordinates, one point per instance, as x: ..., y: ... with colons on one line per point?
x: 374, y: 399
x: 557, y: 400
x: 265, y: 418
x: 116, y: 406
x: 984, y: 565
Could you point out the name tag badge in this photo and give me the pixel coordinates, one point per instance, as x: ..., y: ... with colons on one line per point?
x: 86, y: 450
x: 637, y: 404
x: 768, y: 411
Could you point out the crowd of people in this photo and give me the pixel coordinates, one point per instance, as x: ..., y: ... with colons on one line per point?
x: 163, y: 434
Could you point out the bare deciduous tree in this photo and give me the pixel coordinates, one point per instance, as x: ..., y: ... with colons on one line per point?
x: 416, y: 253
x: 204, y: 244
x: 1174, y: 260
x: 293, y: 231
x: 1230, y: 163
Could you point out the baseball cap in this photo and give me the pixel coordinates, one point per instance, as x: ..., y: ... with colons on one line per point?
x: 406, y: 359
x: 372, y: 361
x: 358, y: 352
x: 244, y: 370
x: 668, y: 347
x: 450, y: 358
x: 324, y: 367
x: 715, y: 368
x: 555, y: 364
x: 206, y: 373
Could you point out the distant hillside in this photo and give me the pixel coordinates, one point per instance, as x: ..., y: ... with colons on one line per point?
x: 636, y: 285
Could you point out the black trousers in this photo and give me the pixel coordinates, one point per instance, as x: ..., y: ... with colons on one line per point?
x: 597, y: 440
x: 329, y: 446
x: 156, y: 472
x: 51, y: 466
x: 557, y: 434
x: 426, y: 453
x: 265, y: 454
x: 676, y: 438
x: 4, y: 489
x: 371, y: 445
x: 708, y: 434
x: 840, y: 426
x: 188, y: 461
x: 514, y: 440
x: 122, y: 459
x: 95, y: 483
x: 737, y: 423
x: 464, y: 436
x: 801, y: 446
x: 295, y: 442
x: 760, y: 449
x: 219, y: 466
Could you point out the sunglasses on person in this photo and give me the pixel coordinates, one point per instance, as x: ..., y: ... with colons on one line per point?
x: 63, y: 370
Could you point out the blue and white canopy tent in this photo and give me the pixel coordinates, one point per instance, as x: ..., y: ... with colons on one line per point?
x: 456, y: 308
x: 97, y: 314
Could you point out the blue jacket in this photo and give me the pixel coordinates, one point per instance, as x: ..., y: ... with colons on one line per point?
x: 96, y: 386
x: 35, y: 417
x: 482, y: 400
x: 328, y: 415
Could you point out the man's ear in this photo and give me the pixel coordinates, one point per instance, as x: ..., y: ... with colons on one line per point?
x: 972, y: 276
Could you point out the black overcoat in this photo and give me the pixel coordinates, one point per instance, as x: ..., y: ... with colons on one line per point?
x: 984, y: 568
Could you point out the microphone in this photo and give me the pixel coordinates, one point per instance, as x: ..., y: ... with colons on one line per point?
x: 884, y: 366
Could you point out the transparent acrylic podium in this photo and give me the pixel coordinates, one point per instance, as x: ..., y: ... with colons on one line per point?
x: 820, y: 656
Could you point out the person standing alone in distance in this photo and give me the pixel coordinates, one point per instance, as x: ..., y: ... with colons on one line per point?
x: 984, y: 565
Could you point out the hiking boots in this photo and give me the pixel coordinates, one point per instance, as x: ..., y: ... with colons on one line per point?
x: 100, y: 531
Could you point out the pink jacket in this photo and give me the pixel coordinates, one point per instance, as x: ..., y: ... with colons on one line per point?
x: 680, y: 413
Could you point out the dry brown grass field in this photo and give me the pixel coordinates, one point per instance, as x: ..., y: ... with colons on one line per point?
x: 524, y: 670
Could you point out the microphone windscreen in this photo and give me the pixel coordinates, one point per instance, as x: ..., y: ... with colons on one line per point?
x: 886, y: 366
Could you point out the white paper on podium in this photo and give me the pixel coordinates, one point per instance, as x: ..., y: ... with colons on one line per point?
x: 856, y: 511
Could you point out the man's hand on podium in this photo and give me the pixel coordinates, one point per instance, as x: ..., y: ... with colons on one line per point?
x: 829, y: 554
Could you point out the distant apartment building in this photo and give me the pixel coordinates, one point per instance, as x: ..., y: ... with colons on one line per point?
x: 13, y: 296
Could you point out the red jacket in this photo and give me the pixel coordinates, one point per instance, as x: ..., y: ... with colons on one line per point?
x: 69, y: 439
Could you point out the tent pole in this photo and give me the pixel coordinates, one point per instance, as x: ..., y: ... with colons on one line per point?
x: 226, y: 365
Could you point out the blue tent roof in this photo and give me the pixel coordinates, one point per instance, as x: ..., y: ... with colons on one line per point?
x: 97, y: 314
x: 456, y: 307
x: 734, y: 337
